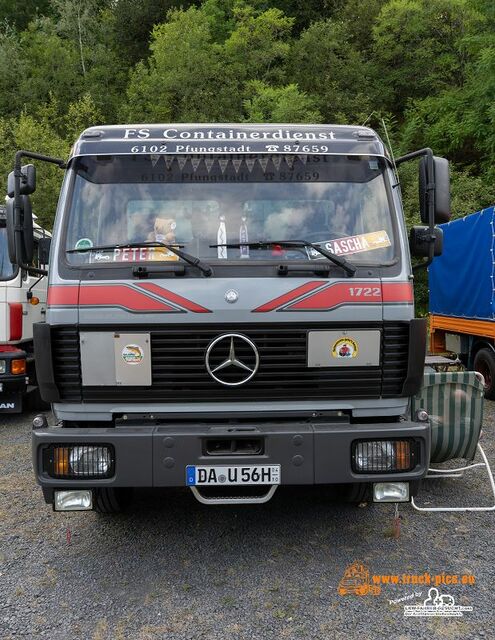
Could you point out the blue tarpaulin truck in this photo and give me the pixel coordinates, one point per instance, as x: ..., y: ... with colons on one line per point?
x: 462, y: 294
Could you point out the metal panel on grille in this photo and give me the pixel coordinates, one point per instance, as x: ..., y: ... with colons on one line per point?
x: 179, y: 372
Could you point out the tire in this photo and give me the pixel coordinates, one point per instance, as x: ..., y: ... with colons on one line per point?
x: 356, y: 492
x: 352, y: 493
x: 34, y: 402
x: 108, y: 500
x: 484, y: 362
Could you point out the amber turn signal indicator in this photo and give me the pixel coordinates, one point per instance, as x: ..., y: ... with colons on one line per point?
x: 61, y: 461
x: 18, y: 366
x: 402, y: 455
x: 34, y: 301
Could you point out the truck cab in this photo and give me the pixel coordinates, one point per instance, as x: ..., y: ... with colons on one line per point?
x: 22, y: 303
x: 230, y: 308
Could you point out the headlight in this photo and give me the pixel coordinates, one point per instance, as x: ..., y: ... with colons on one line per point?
x: 382, y: 456
x: 391, y: 492
x: 3, y: 366
x: 90, y: 461
x: 73, y: 500
x: 79, y: 461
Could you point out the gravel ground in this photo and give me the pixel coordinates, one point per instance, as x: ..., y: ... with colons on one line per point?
x: 173, y: 568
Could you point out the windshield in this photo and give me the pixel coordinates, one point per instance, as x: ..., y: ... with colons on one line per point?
x: 198, y: 202
x: 7, y: 269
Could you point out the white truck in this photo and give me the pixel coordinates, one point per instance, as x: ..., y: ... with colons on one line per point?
x: 22, y: 303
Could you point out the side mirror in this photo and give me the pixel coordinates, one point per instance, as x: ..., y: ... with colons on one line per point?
x: 9, y: 214
x: 28, y: 181
x: 440, y: 192
x: 44, y: 250
x: 420, y: 239
x: 27, y: 244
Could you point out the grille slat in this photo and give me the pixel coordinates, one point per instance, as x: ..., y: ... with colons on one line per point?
x: 179, y: 372
x: 66, y: 359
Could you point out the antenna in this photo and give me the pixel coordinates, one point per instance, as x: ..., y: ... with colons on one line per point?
x: 384, y: 125
x: 368, y: 118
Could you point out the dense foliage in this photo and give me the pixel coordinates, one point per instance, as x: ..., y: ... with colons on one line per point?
x: 424, y: 69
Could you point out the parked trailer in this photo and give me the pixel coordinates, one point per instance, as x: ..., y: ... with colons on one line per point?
x: 462, y: 295
x: 230, y: 308
x: 22, y: 303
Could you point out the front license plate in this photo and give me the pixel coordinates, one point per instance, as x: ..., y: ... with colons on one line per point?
x: 232, y: 475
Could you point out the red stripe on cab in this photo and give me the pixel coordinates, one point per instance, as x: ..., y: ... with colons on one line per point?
x: 120, y: 295
x: 335, y: 295
x: 64, y: 295
x: 288, y: 297
x: 174, y: 298
x: 398, y: 292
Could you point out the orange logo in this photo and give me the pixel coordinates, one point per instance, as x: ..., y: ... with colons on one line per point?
x: 356, y: 581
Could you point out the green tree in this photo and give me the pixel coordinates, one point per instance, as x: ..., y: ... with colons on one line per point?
x: 258, y: 45
x: 460, y: 121
x: 19, y: 13
x: 358, y: 18
x: 26, y: 132
x: 80, y: 115
x: 279, y: 104
x: 420, y: 48
x: 134, y: 23
x: 185, y: 78
x: 52, y: 66
x: 12, y: 70
x: 327, y: 66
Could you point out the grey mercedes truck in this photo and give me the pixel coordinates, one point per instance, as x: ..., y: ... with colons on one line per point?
x: 230, y: 309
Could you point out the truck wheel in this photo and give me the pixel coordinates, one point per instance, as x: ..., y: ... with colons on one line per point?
x: 35, y: 402
x: 484, y: 362
x: 356, y: 492
x: 353, y: 493
x: 108, y: 500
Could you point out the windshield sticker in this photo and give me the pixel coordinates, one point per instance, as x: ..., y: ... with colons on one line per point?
x: 134, y: 254
x: 352, y: 244
x: 84, y: 243
x: 132, y: 354
x: 345, y: 348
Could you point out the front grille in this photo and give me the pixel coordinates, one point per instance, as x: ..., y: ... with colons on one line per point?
x: 66, y: 363
x: 179, y: 373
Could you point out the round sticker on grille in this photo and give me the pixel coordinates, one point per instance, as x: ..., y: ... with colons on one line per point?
x: 345, y: 348
x: 132, y: 354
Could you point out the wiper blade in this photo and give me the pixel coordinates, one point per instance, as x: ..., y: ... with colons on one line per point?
x: 192, y: 260
x: 349, y: 268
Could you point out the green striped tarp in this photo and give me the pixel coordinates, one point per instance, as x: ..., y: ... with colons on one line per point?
x: 454, y: 401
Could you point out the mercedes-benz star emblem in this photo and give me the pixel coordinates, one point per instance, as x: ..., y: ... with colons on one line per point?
x: 231, y: 296
x: 232, y: 359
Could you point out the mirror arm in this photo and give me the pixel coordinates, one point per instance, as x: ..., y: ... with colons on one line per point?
x: 17, y: 203
x: 36, y: 156
x: 430, y: 190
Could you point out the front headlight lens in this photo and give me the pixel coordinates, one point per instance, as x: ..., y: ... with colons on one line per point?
x: 382, y: 456
x: 79, y: 461
x: 90, y: 461
x: 3, y: 366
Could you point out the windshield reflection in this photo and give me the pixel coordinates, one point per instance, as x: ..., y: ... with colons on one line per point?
x: 339, y: 202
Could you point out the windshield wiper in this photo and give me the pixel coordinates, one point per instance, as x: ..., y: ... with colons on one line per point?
x: 349, y: 268
x: 192, y: 260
